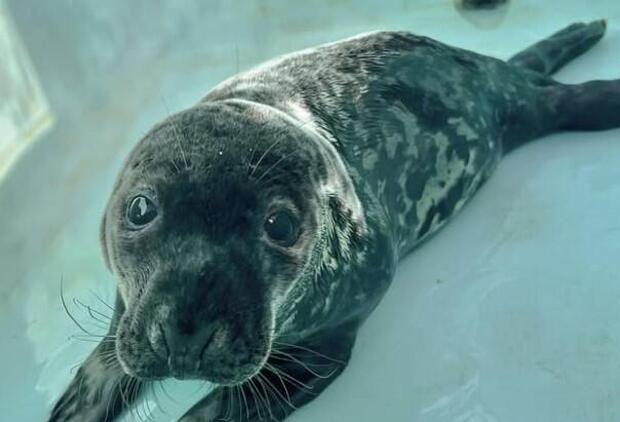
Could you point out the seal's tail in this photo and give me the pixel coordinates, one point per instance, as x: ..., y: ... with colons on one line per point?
x: 550, y: 54
x: 593, y: 105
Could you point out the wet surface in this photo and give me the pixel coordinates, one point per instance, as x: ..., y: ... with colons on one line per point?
x: 509, y: 314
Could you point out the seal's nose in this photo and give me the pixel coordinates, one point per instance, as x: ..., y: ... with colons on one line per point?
x: 185, y: 342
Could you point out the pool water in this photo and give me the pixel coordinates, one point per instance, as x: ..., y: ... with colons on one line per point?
x: 511, y: 313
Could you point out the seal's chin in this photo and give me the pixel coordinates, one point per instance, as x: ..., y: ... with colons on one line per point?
x: 192, y: 370
x: 221, y: 375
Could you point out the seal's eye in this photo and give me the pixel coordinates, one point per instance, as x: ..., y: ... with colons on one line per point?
x: 282, y: 227
x: 141, y: 211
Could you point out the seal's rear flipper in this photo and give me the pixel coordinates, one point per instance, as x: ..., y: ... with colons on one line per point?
x: 550, y: 54
x: 593, y: 105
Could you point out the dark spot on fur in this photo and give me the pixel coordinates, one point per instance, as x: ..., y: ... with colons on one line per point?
x: 424, y: 104
x: 444, y: 207
x: 415, y: 186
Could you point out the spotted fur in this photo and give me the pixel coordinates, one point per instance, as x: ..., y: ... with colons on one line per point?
x: 373, y: 143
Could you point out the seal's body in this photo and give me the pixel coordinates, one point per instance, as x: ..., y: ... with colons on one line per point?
x: 253, y: 233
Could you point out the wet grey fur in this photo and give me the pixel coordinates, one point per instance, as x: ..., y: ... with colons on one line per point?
x: 372, y: 143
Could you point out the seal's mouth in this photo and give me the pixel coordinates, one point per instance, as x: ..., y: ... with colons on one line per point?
x: 185, y: 367
x: 225, y: 350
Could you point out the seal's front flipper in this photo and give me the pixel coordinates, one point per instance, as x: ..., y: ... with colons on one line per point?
x: 293, y: 375
x: 550, y: 54
x: 99, y: 391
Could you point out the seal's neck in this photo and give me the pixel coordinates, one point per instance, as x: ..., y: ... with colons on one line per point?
x: 338, y: 183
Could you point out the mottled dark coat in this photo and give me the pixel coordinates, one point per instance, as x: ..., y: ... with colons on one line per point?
x: 371, y: 144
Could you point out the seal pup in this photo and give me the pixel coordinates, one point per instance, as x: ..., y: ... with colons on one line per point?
x: 253, y: 233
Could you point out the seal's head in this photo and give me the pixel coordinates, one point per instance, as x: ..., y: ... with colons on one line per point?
x: 215, y: 217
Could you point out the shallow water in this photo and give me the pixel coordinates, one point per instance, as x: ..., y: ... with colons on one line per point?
x: 510, y: 314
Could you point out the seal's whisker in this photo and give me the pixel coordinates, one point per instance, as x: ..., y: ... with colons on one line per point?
x: 77, y: 365
x: 100, y: 299
x: 229, y: 398
x: 291, y: 378
x: 287, y: 401
x: 132, y: 394
x: 272, y: 391
x: 254, y: 396
x: 251, y: 158
x: 83, y: 339
x: 91, y: 311
x: 178, y: 137
x: 286, y: 357
x: 266, y: 394
x: 263, y: 397
x: 107, y: 353
x: 307, y: 368
x: 266, y: 397
x: 268, y: 181
x: 306, y: 349
x: 122, y: 392
x: 148, y: 412
x: 274, y: 371
x: 110, y: 396
x: 66, y: 308
x: 110, y: 361
x: 273, y: 166
x: 174, y: 164
x: 144, y: 407
x: 273, y: 144
x: 238, y: 394
x: 117, y: 390
x: 107, y: 318
x: 105, y: 337
x: 245, y: 402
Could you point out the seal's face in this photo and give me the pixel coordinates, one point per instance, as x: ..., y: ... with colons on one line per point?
x: 213, y: 219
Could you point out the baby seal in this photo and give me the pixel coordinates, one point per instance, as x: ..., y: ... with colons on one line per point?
x: 253, y: 233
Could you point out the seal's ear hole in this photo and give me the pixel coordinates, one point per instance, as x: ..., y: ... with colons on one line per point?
x: 282, y: 227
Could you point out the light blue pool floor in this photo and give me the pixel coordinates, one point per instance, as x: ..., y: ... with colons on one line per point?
x: 510, y: 314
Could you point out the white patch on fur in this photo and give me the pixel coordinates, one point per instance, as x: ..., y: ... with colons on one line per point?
x: 339, y: 182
